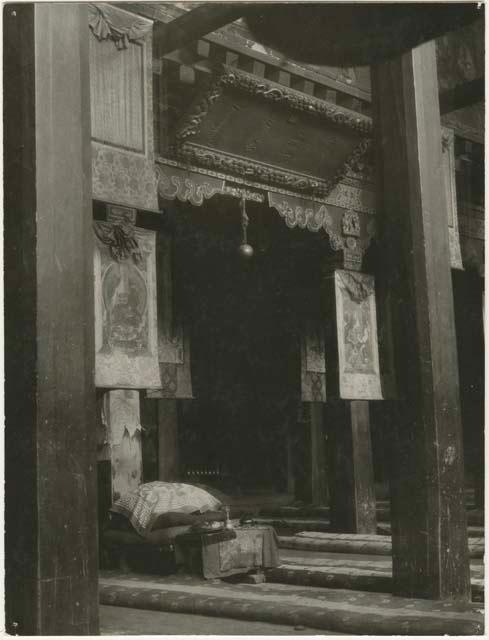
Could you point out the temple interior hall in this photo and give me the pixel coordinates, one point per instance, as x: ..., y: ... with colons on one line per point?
x: 244, y: 318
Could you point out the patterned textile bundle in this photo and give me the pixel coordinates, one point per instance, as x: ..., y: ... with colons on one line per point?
x: 143, y: 506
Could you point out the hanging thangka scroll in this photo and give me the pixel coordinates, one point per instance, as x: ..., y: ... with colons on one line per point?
x: 356, y: 328
x: 313, y: 363
x: 126, y: 348
x: 173, y: 340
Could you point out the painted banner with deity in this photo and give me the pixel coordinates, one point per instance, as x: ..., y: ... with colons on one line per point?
x: 126, y: 343
x: 173, y: 338
x: 358, y: 351
x: 313, y: 363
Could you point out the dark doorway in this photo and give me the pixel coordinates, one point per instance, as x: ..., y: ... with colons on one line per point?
x: 244, y: 319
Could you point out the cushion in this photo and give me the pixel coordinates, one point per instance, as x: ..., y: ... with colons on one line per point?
x: 177, y: 519
x: 166, y: 536
x: 152, y: 499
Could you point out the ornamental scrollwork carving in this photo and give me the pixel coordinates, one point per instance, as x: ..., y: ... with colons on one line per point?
x: 357, y: 285
x: 246, y: 168
x: 120, y: 239
x: 304, y: 217
x: 186, y: 188
x: 237, y: 79
x: 297, y: 213
x: 297, y: 100
x: 104, y: 27
x: 191, y: 122
x: 190, y: 153
x: 240, y: 192
x: 350, y: 223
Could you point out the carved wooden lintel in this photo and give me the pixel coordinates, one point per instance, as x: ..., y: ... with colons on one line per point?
x: 230, y: 77
x: 194, y: 146
x: 348, y: 194
x: 307, y: 185
x: 349, y: 232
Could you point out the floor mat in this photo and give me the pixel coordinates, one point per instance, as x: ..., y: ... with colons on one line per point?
x: 330, y: 609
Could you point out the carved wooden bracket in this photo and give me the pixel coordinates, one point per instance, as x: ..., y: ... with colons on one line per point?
x: 349, y: 234
x: 107, y: 24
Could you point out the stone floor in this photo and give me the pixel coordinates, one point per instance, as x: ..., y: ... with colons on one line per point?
x: 124, y: 621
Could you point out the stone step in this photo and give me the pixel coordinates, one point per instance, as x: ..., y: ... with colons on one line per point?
x: 385, y: 529
x: 292, y: 525
x: 346, y: 572
x: 353, y: 612
x: 355, y: 543
x: 475, y: 517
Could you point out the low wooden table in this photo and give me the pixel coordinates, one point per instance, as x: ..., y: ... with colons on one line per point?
x: 226, y: 553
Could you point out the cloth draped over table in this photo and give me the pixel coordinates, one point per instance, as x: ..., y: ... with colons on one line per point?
x: 173, y: 339
x: 254, y: 547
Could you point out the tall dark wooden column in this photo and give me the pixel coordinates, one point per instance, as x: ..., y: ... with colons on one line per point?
x: 352, y: 498
x: 50, y: 447
x: 430, y: 557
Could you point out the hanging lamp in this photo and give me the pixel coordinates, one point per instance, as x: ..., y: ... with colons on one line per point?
x: 245, y: 250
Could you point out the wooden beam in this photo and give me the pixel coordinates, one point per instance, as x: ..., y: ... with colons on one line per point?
x: 462, y: 95
x: 50, y: 437
x: 430, y: 554
x: 192, y: 25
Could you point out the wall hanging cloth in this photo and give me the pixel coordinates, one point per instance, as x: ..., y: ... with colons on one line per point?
x: 356, y: 321
x: 313, y: 360
x: 126, y: 343
x: 173, y: 336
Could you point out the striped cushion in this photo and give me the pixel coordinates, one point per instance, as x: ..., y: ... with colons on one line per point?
x: 150, y: 500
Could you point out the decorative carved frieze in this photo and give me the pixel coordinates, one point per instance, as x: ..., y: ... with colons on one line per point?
x: 239, y: 192
x: 352, y: 197
x: 315, y: 216
x: 351, y: 223
x: 343, y: 196
x: 186, y: 186
x: 220, y: 161
x: 228, y: 77
x: 296, y: 100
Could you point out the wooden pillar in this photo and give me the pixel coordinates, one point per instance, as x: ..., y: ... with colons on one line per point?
x: 352, y: 478
x: 168, y: 467
x: 50, y: 441
x: 318, y: 460
x: 430, y: 556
